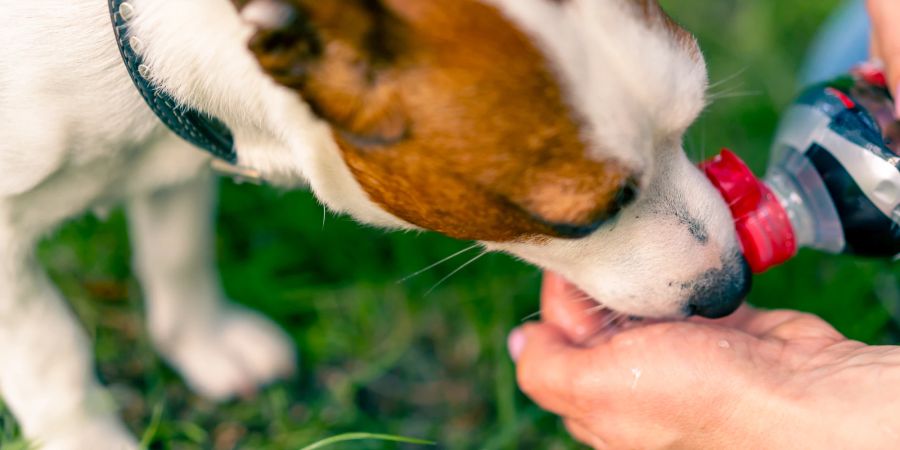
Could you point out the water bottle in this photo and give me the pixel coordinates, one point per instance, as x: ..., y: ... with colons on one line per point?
x: 834, y: 179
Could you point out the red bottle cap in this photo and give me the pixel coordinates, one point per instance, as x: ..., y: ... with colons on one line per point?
x: 763, y: 227
x: 871, y: 73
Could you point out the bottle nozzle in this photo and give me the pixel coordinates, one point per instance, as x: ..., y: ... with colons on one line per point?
x: 763, y: 226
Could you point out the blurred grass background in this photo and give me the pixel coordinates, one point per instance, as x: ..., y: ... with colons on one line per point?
x: 382, y: 356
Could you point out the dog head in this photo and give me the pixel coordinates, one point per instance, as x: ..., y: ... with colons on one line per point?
x: 550, y: 129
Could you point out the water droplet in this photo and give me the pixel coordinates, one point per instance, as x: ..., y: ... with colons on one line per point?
x: 637, y: 376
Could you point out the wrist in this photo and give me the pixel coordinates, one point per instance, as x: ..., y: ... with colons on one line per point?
x: 835, y: 403
x: 848, y: 401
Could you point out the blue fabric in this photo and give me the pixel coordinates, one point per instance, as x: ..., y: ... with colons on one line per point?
x: 842, y: 43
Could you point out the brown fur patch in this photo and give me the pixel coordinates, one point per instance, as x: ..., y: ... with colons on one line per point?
x: 447, y: 115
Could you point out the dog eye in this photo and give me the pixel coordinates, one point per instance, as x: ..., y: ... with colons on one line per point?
x: 626, y: 195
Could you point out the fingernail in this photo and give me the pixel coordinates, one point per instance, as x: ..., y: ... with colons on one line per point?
x: 515, y: 343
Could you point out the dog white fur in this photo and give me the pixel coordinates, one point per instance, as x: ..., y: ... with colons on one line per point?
x: 75, y: 134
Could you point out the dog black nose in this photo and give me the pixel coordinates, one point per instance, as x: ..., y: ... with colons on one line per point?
x: 718, y: 293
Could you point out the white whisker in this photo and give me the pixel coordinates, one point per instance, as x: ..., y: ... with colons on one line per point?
x: 466, y: 264
x: 728, y: 78
x: 595, y: 310
x: 580, y: 298
x: 611, y: 320
x: 732, y: 94
x: 703, y: 154
x: 420, y: 272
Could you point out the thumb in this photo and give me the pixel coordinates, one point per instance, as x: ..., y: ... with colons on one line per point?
x: 885, y: 16
x: 569, y: 309
x: 549, y: 366
x: 537, y: 336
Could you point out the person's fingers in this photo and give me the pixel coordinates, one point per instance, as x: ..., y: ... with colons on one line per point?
x: 875, y: 50
x: 885, y: 16
x: 569, y: 309
x: 550, y: 368
x: 582, y: 434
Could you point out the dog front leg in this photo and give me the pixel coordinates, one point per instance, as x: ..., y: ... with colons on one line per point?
x: 46, y: 366
x: 221, y: 349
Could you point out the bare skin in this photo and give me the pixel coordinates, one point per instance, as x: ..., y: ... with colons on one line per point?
x: 885, y: 16
x: 758, y: 379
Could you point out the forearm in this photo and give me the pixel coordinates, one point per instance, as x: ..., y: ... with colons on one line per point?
x: 861, y: 397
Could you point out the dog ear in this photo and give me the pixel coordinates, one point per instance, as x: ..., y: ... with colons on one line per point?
x: 339, y: 56
x: 285, y: 41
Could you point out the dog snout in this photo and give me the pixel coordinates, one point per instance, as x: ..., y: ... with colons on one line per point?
x: 577, y: 215
x: 720, y: 292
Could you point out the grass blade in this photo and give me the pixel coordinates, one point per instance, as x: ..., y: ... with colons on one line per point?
x: 365, y: 437
x: 153, y: 428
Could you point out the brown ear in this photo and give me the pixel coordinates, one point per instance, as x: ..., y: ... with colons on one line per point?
x: 338, y: 54
x: 286, y: 43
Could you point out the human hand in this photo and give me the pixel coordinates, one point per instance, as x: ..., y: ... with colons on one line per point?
x: 778, y: 379
x: 885, y: 16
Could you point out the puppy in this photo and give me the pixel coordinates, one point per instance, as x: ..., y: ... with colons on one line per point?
x: 549, y: 129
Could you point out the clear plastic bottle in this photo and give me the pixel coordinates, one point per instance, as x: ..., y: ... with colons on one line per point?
x: 834, y: 180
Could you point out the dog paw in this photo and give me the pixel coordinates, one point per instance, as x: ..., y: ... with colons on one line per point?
x: 232, y: 356
x: 93, y: 435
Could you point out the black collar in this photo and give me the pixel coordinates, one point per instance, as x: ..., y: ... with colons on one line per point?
x: 198, y: 128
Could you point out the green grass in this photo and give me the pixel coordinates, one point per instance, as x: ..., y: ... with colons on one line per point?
x: 382, y: 357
